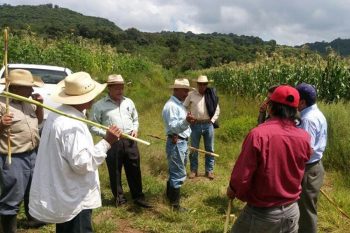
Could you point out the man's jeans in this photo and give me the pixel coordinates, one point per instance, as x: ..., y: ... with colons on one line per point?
x: 177, y: 158
x: 268, y: 220
x: 207, y: 131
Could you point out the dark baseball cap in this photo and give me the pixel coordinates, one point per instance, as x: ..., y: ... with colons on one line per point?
x: 307, y: 92
x: 286, y: 95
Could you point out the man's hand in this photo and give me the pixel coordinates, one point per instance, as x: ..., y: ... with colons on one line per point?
x: 6, y: 119
x: 263, y: 106
x: 113, y: 134
x: 37, y: 97
x: 134, y: 134
x: 230, y: 193
x: 190, y: 118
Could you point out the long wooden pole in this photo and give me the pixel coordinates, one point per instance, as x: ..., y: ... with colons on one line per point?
x: 191, y: 147
x: 228, y: 214
x: 21, y: 98
x: 7, y: 84
x: 335, y: 205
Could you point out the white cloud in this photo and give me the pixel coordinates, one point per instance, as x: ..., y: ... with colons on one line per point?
x: 287, y: 22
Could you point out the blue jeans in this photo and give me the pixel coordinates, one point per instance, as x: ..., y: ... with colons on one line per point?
x: 15, y: 180
x: 177, y: 159
x: 267, y: 220
x: 207, y: 131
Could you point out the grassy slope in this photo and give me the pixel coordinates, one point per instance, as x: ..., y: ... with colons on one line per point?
x: 205, y: 198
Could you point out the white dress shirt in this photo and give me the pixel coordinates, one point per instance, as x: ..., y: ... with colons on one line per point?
x: 65, y: 179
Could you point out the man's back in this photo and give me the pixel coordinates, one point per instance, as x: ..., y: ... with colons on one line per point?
x: 274, y: 154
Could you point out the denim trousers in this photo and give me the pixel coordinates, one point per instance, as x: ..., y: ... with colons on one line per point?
x: 207, y: 131
x: 267, y: 220
x: 15, y: 180
x: 177, y: 159
x: 311, y: 186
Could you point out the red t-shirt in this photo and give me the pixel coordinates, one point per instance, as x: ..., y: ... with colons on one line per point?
x: 270, y: 168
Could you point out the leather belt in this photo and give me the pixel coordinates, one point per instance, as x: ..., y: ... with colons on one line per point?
x: 202, y: 121
x: 312, y: 164
x: 179, y: 137
x: 272, y: 207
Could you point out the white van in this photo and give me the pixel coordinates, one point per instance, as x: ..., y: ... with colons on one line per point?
x: 51, y: 75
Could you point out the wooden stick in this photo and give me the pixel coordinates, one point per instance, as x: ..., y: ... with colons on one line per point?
x: 331, y: 201
x: 228, y: 214
x: 21, y: 98
x: 191, y: 147
x: 7, y: 84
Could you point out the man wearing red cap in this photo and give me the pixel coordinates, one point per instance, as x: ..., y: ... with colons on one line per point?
x: 268, y: 172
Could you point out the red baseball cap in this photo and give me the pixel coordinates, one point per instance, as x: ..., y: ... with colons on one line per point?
x: 286, y: 95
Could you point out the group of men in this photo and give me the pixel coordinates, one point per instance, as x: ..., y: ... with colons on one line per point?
x: 279, y: 171
x: 63, y: 186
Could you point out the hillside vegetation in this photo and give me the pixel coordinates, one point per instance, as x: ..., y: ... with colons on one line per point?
x: 173, y: 50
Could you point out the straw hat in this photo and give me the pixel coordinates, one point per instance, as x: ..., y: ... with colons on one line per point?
x: 19, y: 77
x: 181, y: 83
x: 77, y: 88
x: 203, y: 79
x: 115, y: 79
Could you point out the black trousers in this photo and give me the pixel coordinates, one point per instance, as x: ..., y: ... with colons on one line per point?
x: 124, y: 153
x: 79, y: 224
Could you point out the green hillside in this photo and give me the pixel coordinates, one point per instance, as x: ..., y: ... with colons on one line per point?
x: 51, y: 20
x: 173, y: 50
x: 340, y: 46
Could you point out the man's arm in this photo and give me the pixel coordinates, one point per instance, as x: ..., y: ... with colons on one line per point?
x: 96, y: 116
x: 39, y: 111
x: 244, y: 169
x: 135, y: 120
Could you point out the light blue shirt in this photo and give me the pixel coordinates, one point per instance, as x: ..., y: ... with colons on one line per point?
x: 108, y: 112
x: 174, y: 118
x: 314, y: 122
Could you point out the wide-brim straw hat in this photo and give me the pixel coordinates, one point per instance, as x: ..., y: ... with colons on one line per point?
x: 203, y: 79
x: 115, y: 79
x: 182, y: 83
x: 20, y: 77
x: 77, y: 88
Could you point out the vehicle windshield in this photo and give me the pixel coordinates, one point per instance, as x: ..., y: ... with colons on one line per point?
x: 48, y: 76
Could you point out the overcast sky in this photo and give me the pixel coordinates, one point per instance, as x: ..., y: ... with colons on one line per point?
x: 290, y: 22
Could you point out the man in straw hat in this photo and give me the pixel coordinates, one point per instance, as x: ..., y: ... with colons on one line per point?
x: 177, y: 127
x: 314, y: 122
x: 203, y: 104
x: 65, y: 186
x: 269, y: 170
x: 22, y: 121
x: 119, y: 110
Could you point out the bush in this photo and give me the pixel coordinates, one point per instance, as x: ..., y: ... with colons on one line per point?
x: 236, y: 128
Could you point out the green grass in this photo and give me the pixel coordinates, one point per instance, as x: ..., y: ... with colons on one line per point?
x: 206, y: 199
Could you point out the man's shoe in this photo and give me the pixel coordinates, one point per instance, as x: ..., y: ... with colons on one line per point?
x: 34, y: 223
x: 142, y: 203
x: 120, y: 201
x: 210, y: 175
x: 193, y: 175
x: 180, y: 209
